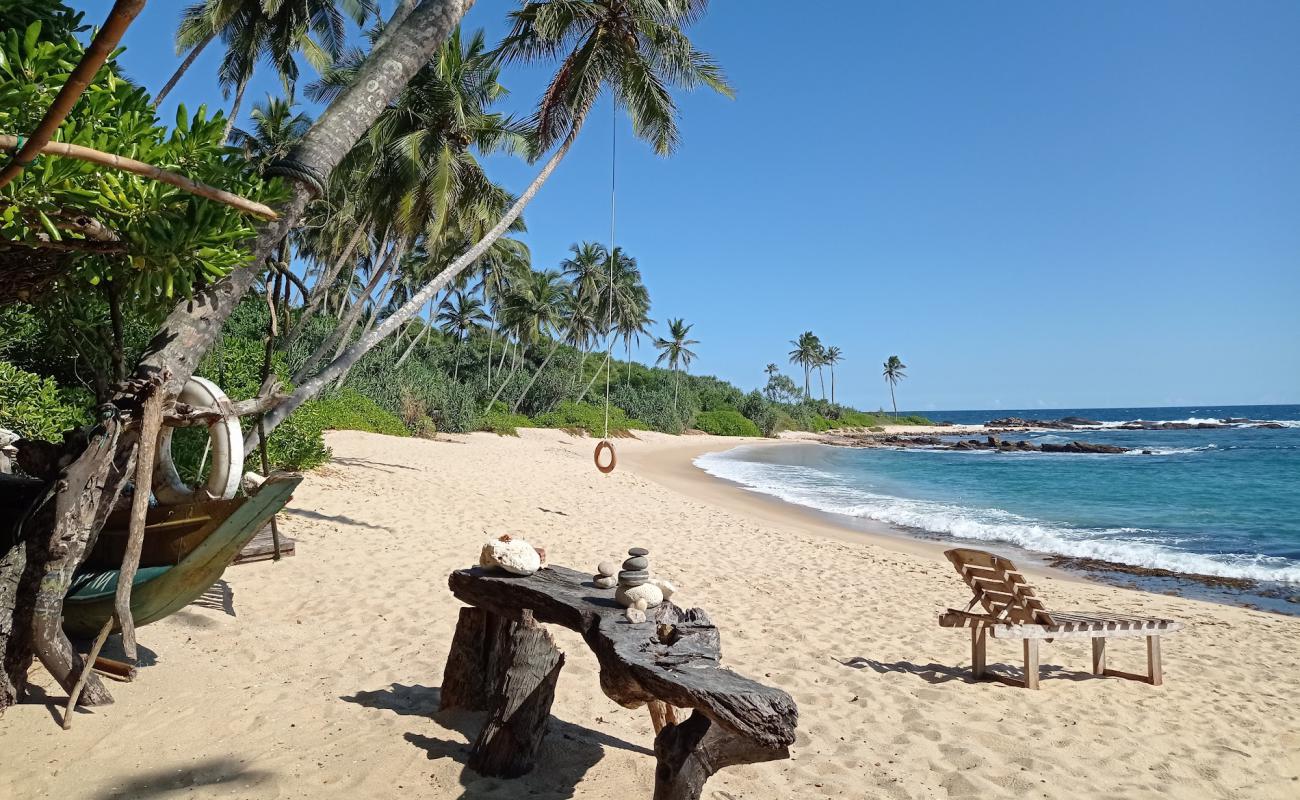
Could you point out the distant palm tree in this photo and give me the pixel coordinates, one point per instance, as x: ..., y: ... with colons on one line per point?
x: 676, y: 351
x: 805, y: 352
x: 536, y: 309
x: 830, y: 358
x: 276, y: 130
x: 273, y: 30
x: 458, y: 315
x: 819, y: 361
x: 893, y: 374
x: 772, y: 370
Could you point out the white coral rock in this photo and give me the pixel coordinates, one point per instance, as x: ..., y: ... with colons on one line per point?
x: 652, y: 595
x: 666, y: 587
x: 515, y: 556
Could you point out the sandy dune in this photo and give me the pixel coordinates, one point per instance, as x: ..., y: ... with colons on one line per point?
x: 318, y: 676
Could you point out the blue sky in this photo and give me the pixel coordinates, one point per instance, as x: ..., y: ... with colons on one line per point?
x: 1034, y: 204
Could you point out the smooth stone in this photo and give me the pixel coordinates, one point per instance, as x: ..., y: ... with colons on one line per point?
x: 666, y: 586
x: 605, y: 581
x: 607, y: 568
x: 635, y: 616
x: 638, y: 551
x: 641, y: 604
x: 633, y: 577
x: 637, y: 563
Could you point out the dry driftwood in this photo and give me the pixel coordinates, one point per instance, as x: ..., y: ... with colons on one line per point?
x: 673, y: 659
x: 508, y: 668
x: 150, y: 423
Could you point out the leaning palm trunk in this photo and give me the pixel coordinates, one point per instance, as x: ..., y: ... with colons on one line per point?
x: 604, y: 365
x: 185, y: 65
x: 423, y: 332
x: 320, y: 291
x: 515, y: 408
x: 514, y: 366
x: 892, y: 401
x: 347, y: 323
x: 234, y: 109
x: 92, y: 481
x: 411, y: 307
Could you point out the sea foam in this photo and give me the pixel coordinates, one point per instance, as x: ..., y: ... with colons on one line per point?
x: 828, y: 492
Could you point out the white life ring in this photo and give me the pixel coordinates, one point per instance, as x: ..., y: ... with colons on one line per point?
x: 227, y: 455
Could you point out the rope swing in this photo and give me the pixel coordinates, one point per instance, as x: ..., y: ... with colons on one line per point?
x: 605, y: 445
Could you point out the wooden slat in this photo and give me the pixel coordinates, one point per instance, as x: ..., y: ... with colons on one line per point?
x: 262, y: 547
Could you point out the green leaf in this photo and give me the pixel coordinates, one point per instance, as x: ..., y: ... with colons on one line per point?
x: 30, y: 39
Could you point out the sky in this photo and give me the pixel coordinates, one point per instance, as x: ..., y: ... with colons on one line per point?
x: 1033, y: 204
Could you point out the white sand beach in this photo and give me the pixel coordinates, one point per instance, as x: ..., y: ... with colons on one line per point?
x: 317, y: 677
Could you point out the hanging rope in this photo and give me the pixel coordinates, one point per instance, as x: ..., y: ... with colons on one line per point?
x: 609, y: 288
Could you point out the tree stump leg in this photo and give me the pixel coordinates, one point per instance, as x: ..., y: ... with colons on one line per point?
x: 508, y: 668
x: 689, y: 753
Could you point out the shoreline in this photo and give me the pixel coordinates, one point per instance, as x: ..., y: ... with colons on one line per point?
x: 319, y: 676
x: 675, y: 468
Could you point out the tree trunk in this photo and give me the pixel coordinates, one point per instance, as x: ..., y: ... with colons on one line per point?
x: 892, y: 401
x: 603, y: 366
x: 677, y: 379
x: 180, y: 344
x: 320, y: 291
x: 234, y: 108
x: 514, y: 366
x: 821, y: 378
x: 312, y: 387
x: 832, y: 385
x: 339, y: 336
x: 423, y: 332
x: 185, y: 65
x: 515, y: 408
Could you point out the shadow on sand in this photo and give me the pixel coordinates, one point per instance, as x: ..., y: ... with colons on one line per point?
x: 174, y: 781
x: 567, y: 753
x: 943, y: 673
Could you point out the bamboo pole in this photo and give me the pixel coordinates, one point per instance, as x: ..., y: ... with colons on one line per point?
x: 123, y: 12
x: 8, y: 142
x: 150, y: 423
x: 86, y: 669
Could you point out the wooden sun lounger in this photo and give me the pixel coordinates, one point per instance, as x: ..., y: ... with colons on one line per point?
x: 1014, y: 611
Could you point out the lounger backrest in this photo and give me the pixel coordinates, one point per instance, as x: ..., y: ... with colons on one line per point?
x: 999, y: 587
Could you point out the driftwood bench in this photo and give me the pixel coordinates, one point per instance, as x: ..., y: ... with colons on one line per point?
x: 502, y: 662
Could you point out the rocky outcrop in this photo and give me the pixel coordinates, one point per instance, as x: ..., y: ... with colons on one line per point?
x: 989, y: 443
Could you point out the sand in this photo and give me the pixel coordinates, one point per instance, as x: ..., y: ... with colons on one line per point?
x: 318, y: 677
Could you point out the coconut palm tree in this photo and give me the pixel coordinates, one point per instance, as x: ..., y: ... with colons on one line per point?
x: 830, y: 358
x: 893, y: 374
x: 676, y: 351
x: 805, y: 353
x: 535, y: 311
x: 459, y: 314
x: 275, y: 131
x: 587, y: 269
x: 276, y: 31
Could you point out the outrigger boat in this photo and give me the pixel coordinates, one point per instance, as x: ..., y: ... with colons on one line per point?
x: 186, y: 549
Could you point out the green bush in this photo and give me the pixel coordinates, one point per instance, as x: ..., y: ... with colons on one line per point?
x: 589, y: 418
x: 500, y: 421
x: 726, y: 422
x: 36, y: 408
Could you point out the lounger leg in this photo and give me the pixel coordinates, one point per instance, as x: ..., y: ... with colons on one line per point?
x: 978, y: 639
x: 1098, y: 656
x: 1031, y: 663
x: 1153, y: 661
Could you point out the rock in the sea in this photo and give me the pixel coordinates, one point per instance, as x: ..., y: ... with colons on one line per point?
x: 628, y: 595
x: 513, y: 555
x: 635, y: 615
x: 607, y: 568
x: 605, y: 581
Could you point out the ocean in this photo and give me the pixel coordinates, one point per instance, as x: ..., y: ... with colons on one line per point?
x: 1222, y: 502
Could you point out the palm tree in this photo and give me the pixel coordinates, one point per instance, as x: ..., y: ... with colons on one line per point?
x: 275, y: 131
x: 819, y: 361
x: 675, y: 350
x: 805, y: 352
x: 273, y: 30
x: 635, y: 48
x: 536, y: 311
x: 893, y: 374
x: 772, y: 370
x: 830, y: 358
x: 458, y: 315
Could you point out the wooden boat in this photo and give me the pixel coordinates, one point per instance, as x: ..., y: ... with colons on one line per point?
x: 188, y: 548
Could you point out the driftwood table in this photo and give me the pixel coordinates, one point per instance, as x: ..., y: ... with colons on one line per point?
x: 503, y: 662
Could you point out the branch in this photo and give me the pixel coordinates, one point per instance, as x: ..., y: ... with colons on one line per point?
x: 183, y: 415
x: 144, y: 170
x: 74, y: 245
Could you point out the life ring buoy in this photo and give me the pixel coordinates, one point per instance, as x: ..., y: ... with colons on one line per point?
x: 227, y: 457
x: 613, y: 457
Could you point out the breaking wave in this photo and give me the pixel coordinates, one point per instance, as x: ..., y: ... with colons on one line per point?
x: 829, y: 492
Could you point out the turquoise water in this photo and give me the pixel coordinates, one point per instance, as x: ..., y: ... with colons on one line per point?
x: 1222, y: 502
